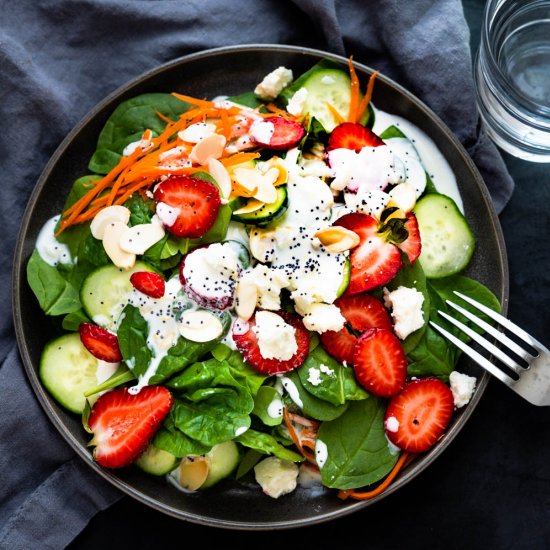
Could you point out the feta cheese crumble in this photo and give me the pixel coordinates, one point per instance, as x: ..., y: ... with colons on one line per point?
x: 269, y: 283
x: 392, y: 424
x: 276, y: 337
x: 462, y: 387
x: 314, y: 377
x: 406, y: 304
x: 274, y: 83
x: 323, y: 317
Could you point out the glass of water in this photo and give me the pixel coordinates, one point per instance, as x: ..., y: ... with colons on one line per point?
x: 512, y: 76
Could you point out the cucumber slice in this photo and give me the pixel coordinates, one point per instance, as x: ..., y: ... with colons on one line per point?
x: 156, y: 461
x: 104, y: 293
x: 67, y: 370
x: 224, y: 459
x: 268, y: 212
x: 447, y: 239
x: 346, y: 278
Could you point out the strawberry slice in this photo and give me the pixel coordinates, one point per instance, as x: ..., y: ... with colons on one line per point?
x: 374, y: 261
x: 151, y: 284
x: 361, y: 312
x: 379, y: 362
x: 123, y: 424
x: 412, y: 245
x: 247, y: 343
x: 423, y: 410
x: 101, y: 343
x: 196, y: 202
x: 286, y: 133
x: 352, y: 135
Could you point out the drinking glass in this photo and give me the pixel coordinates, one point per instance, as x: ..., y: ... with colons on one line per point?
x: 512, y: 76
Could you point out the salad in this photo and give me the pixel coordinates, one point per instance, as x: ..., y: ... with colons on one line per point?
x: 243, y: 288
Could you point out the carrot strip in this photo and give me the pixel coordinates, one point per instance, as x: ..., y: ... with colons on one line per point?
x: 354, y: 98
x: 295, y: 438
x: 193, y: 100
x: 238, y: 158
x: 335, y: 113
x: 164, y: 117
x: 351, y: 493
x: 367, y: 97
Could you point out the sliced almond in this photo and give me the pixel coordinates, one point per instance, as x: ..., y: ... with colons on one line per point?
x: 197, y: 132
x: 251, y: 206
x: 111, y: 244
x: 210, y: 147
x: 193, y: 471
x: 266, y: 189
x: 262, y: 244
x: 106, y: 216
x: 337, y: 239
x: 200, y: 326
x: 139, y: 238
x: 248, y: 178
x: 403, y: 196
x: 246, y: 299
x: 278, y: 164
x: 219, y: 172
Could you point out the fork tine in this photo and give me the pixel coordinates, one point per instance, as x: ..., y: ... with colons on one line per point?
x: 526, y: 337
x: 477, y: 357
x: 501, y: 337
x: 498, y: 353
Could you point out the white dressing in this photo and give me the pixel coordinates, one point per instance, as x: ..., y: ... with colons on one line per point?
x: 49, y: 248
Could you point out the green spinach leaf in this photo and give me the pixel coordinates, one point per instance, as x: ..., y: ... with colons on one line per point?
x: 267, y: 444
x: 172, y: 440
x: 264, y: 398
x: 358, y: 451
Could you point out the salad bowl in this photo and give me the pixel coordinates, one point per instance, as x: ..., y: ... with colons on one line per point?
x: 205, y: 74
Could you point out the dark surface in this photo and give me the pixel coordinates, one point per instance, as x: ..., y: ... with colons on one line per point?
x: 491, y: 487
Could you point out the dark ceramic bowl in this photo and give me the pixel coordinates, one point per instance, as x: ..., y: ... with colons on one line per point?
x: 230, y: 71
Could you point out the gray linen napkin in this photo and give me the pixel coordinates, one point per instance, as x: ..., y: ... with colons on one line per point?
x: 59, y: 58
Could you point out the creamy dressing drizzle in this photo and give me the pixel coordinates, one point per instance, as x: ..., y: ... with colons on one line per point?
x: 292, y: 391
x: 49, y: 248
x: 435, y: 163
x: 321, y: 453
x: 275, y: 408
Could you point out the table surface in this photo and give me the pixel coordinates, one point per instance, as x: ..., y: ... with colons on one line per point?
x: 490, y: 488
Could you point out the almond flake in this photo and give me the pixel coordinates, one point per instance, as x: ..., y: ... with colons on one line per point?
x: 246, y: 299
x: 200, y: 326
x: 251, y: 206
x: 337, y: 239
x: 219, y: 172
x: 210, y: 147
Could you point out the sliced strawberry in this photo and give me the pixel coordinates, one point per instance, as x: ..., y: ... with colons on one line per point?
x: 123, y: 424
x: 361, y: 312
x: 286, y: 133
x: 374, y: 261
x: 196, y: 200
x: 423, y: 410
x: 101, y: 343
x: 412, y: 245
x: 351, y: 135
x: 379, y: 362
x: 151, y: 284
x: 247, y: 343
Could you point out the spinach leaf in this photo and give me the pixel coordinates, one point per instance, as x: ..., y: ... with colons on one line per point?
x: 312, y: 406
x: 132, y: 340
x: 358, y: 451
x: 244, y: 373
x: 336, y: 388
x: 119, y: 377
x: 54, y: 292
x: 392, y: 132
x: 127, y: 124
x: 264, y: 398
x: 267, y: 444
x: 141, y: 211
x: 248, y: 461
x: 248, y: 99
x: 172, y: 440
x: 72, y: 321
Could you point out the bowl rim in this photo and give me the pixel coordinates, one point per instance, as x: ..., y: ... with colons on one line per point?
x: 40, y: 393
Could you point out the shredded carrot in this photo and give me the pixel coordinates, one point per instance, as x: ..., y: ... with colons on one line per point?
x: 351, y: 493
x: 303, y: 447
x: 273, y: 109
x: 367, y: 97
x: 239, y: 158
x: 163, y: 117
x: 355, y: 92
x: 339, y: 118
x: 193, y: 100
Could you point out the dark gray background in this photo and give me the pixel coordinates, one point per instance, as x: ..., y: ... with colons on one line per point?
x: 490, y: 489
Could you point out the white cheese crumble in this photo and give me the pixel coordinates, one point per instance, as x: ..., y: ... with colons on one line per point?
x: 392, y: 424
x: 406, y: 304
x: 269, y: 283
x: 314, y: 377
x: 262, y: 131
x: 277, y: 477
x: 274, y: 83
x: 297, y: 102
x: 325, y: 369
x: 167, y: 214
x: 462, y: 387
x: 276, y: 337
x: 323, y: 317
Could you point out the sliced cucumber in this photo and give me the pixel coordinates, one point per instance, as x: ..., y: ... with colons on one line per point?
x: 326, y: 82
x: 104, y: 293
x: 346, y: 275
x: 156, y: 461
x: 224, y: 459
x: 268, y: 212
x: 67, y: 370
x: 447, y: 239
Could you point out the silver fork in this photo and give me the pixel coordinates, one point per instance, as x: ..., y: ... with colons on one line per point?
x: 533, y: 380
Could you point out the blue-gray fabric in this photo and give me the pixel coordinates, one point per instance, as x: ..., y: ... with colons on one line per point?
x: 58, y: 58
